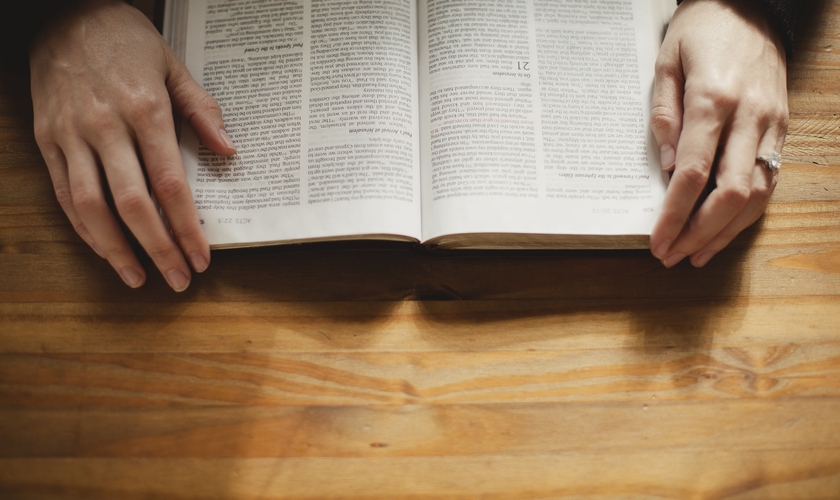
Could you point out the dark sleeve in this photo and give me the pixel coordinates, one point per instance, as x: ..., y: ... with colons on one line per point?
x: 20, y: 29
x: 783, y: 16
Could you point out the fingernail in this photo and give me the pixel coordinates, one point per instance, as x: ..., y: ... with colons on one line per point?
x: 667, y: 157
x: 702, y: 259
x: 660, y: 251
x: 177, y: 280
x: 131, y: 277
x: 673, y: 260
x: 199, y: 263
x: 226, y: 139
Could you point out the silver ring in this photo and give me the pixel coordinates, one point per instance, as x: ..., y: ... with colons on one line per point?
x: 772, y: 161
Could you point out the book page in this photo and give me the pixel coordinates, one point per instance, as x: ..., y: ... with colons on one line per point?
x: 320, y: 99
x: 536, y: 116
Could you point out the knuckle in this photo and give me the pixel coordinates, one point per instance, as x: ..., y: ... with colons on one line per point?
x: 784, y: 123
x: 186, y: 232
x: 664, y: 66
x: 80, y: 228
x: 161, y: 252
x: 87, y: 201
x: 64, y: 197
x: 168, y: 186
x: 43, y: 132
x: 663, y: 118
x: 53, y: 156
x: 130, y: 202
x: 695, y: 175
x: 147, y: 108
x: 782, y: 117
x: 60, y: 126
x: 116, y: 251
x: 210, y: 104
x: 763, y: 191
x: 758, y: 108
x: 712, y: 97
x: 674, y: 220
x: 738, y: 194
x: 205, y: 105
x: 98, y: 120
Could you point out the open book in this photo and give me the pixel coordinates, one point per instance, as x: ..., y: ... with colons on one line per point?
x: 460, y: 123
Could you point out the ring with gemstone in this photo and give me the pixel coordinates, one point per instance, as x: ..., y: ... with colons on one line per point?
x: 773, y: 161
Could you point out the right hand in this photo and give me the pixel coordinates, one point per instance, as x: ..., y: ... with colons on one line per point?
x: 104, y: 85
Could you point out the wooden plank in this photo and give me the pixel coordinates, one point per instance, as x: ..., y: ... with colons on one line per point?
x: 421, y: 430
x: 468, y: 326
x: 765, y: 475
x: 351, y: 378
x: 810, y: 141
x: 216, y: 327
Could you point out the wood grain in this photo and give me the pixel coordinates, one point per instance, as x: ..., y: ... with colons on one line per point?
x: 674, y: 474
x: 421, y: 430
x: 148, y: 379
x: 382, y: 370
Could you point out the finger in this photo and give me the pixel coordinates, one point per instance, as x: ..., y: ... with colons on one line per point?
x: 667, y: 108
x: 159, y: 149
x: 733, y: 190
x: 763, y: 184
x: 199, y: 108
x: 93, y: 211
x: 138, y: 211
x: 703, y: 121
x: 57, y: 167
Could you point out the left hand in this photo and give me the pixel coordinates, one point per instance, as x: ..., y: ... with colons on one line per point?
x: 720, y: 96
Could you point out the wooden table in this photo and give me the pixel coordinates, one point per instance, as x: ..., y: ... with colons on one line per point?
x: 381, y: 371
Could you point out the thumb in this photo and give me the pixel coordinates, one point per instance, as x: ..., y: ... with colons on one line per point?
x: 199, y: 108
x: 667, y: 109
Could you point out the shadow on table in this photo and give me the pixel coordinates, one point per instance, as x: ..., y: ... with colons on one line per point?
x: 678, y: 307
x: 371, y: 272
